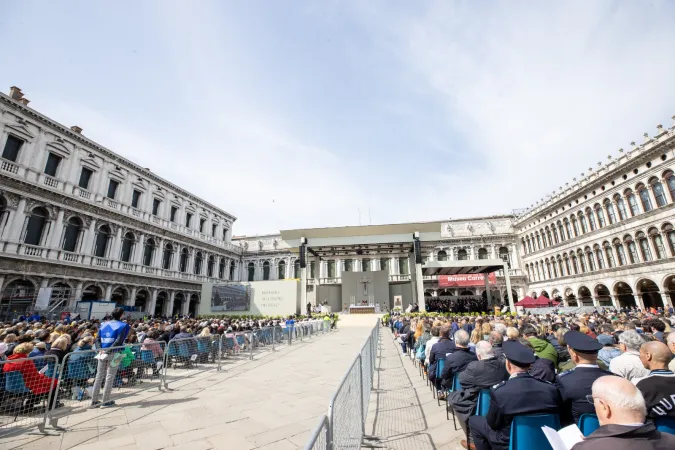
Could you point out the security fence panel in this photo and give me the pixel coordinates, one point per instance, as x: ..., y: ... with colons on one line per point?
x: 261, y: 340
x: 189, y: 356
x: 366, y: 375
x: 108, y: 375
x: 319, y: 439
x: 27, y: 389
x: 345, y: 410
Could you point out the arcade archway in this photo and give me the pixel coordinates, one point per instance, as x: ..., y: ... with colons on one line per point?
x: 603, y: 295
x: 650, y: 294
x: 585, y: 296
x: 624, y: 294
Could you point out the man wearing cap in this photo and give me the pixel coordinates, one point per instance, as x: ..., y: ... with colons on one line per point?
x: 521, y: 394
x: 575, y: 384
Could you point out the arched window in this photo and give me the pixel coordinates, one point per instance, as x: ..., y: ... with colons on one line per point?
x: 184, y: 254
x: 670, y: 237
x: 232, y: 268
x: 582, y: 262
x: 536, y: 265
x: 670, y: 181
x: 632, y: 203
x: 590, y: 259
x: 529, y: 273
x: 529, y: 245
x: 561, y: 268
x: 548, y: 236
x: 462, y: 255
x: 210, y: 265
x: 222, y: 264
x: 599, y: 256
x: 522, y: 241
x: 442, y: 256
x: 644, y: 246
x: 609, y: 254
x: 621, y: 206
x: 632, y: 250
x: 166, y: 257
x: 620, y: 252
x: 575, y: 264
x: 102, y: 241
x: 127, y: 247
x: 539, y: 241
x: 644, y: 198
x: 148, y: 251
x: 548, y: 269
x: 199, y: 259
x: 282, y: 270
x: 611, y: 215
x: 36, y: 229
x: 575, y: 225
x: 600, y: 214
x: 296, y: 269
x: 659, y: 193
x: 482, y: 253
x: 266, y: 270
x: 567, y: 265
x: 71, y: 235
x: 591, y: 218
x: 555, y: 234
x: 658, y: 243
x: 251, y: 271
x: 505, y: 256
x: 561, y: 231
x: 582, y: 220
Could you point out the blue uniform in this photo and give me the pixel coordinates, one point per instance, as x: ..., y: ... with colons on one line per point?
x: 519, y: 395
x: 112, y: 333
x: 574, y: 385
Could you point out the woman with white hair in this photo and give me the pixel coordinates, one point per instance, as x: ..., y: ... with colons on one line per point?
x: 628, y: 364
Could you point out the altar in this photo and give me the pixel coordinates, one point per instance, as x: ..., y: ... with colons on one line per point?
x: 358, y: 309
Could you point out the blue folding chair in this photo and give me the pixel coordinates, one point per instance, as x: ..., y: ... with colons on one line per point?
x: 588, y: 423
x: 440, y: 364
x: 665, y: 424
x: 455, y: 386
x: 483, y: 403
x: 526, y: 431
x: 16, y: 388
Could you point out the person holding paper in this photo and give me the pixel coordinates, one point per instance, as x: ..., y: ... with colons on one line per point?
x: 575, y: 384
x: 621, y: 412
x: 521, y: 394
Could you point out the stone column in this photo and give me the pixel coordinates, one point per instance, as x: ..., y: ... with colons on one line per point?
x: 88, y: 247
x: 132, y: 297
x: 665, y: 297
x: 639, y: 301
x: 108, y: 293
x: 78, y: 295
x: 615, y: 302
x: 115, y: 249
x: 507, y: 278
x: 57, y: 231
x: 139, y: 250
x: 168, y: 308
x: 185, y: 307
x: 153, y: 301
x: 18, y: 222
x: 596, y: 302
x: 486, y: 277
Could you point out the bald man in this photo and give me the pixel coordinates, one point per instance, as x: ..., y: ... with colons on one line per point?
x: 658, y: 388
x: 620, y: 408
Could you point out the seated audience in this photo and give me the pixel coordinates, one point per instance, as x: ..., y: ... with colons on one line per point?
x: 456, y: 361
x: 621, y: 412
x: 658, y: 388
x: 542, y: 348
x: 628, y: 364
x: 439, y: 351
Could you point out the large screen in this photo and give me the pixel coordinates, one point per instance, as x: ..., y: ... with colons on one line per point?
x: 230, y: 297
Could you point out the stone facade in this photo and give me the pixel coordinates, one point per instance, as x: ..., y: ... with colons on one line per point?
x: 78, y: 218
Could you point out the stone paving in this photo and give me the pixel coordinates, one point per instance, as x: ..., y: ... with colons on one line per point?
x: 402, y: 412
x: 272, y: 402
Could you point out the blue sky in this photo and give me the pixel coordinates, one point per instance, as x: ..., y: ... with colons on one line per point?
x: 303, y: 113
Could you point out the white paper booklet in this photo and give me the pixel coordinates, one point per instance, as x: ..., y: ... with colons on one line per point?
x: 563, y: 439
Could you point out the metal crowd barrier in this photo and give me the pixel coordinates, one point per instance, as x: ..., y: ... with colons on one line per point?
x: 345, y: 429
x: 191, y: 356
x: 26, y: 393
x: 320, y: 438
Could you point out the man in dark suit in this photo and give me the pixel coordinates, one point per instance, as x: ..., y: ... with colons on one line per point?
x: 521, y: 394
x: 457, y: 361
x: 482, y: 374
x: 575, y: 384
x: 439, y: 351
x: 621, y: 412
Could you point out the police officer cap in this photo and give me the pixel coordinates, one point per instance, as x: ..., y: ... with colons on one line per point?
x: 517, y: 353
x: 581, y: 342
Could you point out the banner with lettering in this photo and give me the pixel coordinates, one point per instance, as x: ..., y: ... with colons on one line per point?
x: 473, y: 279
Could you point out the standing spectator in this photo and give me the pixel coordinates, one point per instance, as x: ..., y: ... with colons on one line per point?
x: 658, y: 388
x: 628, y: 364
x: 521, y: 394
x: 621, y: 412
x: 113, y: 333
x: 575, y: 384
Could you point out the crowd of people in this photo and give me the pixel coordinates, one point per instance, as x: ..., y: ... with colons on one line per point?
x: 617, y: 365
x: 100, y: 350
x: 459, y: 305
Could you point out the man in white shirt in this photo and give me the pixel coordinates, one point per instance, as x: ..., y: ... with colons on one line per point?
x: 435, y: 333
x: 628, y: 364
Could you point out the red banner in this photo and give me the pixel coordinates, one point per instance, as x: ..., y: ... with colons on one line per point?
x: 474, y: 279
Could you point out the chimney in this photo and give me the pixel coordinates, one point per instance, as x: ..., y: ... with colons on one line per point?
x: 76, y: 129
x: 15, y: 93
x: 24, y: 101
